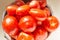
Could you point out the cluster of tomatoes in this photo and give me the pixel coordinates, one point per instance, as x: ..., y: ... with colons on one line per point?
x: 29, y: 21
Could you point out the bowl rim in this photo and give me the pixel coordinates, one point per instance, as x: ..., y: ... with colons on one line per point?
x: 6, y: 36
x: 3, y: 15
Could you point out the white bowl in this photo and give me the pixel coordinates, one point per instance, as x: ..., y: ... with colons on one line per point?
x: 55, y: 8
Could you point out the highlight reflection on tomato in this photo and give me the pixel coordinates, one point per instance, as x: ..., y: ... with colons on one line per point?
x: 34, y: 4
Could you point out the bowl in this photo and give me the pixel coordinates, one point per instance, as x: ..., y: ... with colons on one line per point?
x: 51, y: 36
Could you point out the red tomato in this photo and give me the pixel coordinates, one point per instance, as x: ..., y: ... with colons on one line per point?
x: 43, y: 3
x: 40, y: 34
x: 51, y: 23
x: 38, y: 14
x: 14, y: 33
x: 34, y: 4
x: 11, y: 10
x: 25, y: 36
x: 22, y: 10
x: 18, y: 3
x: 47, y: 11
x: 9, y: 24
x: 27, y: 24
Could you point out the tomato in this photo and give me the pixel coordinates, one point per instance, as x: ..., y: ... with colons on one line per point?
x: 25, y: 36
x: 14, y: 33
x: 11, y: 10
x: 18, y: 3
x: 51, y: 23
x: 9, y: 24
x: 42, y: 3
x: 47, y: 11
x: 38, y: 14
x: 40, y: 34
x: 22, y: 10
x: 29, y: 20
x: 34, y: 4
x: 27, y: 24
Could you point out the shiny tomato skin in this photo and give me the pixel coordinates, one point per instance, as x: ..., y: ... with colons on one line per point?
x: 27, y: 24
x: 25, y: 36
x: 40, y: 34
x: 11, y: 10
x: 51, y: 23
x: 9, y: 24
x: 22, y: 10
x: 34, y: 4
x: 39, y: 22
x: 38, y: 14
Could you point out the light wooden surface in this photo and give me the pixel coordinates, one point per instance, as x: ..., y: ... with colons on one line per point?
x: 55, y: 7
